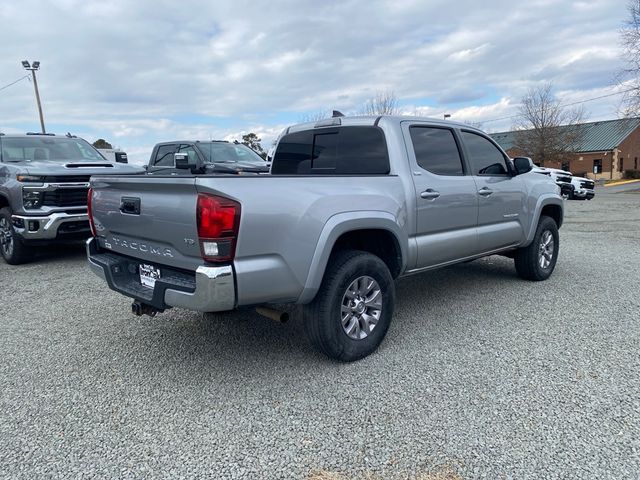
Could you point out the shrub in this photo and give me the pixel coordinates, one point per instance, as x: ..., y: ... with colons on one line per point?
x: 632, y: 174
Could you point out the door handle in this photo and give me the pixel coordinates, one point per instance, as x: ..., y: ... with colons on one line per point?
x: 485, y: 192
x: 130, y: 205
x: 430, y: 194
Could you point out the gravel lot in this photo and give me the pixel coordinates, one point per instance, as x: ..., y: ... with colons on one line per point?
x: 482, y: 375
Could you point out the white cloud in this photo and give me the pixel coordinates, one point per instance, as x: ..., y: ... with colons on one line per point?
x: 141, y: 72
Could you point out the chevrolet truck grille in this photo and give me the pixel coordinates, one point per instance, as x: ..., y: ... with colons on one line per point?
x: 66, y: 197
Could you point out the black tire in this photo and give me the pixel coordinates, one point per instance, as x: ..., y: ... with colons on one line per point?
x: 17, y: 253
x: 323, y: 316
x: 527, y: 259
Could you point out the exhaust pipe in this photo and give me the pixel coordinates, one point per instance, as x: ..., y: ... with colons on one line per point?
x: 138, y: 308
x: 271, y: 314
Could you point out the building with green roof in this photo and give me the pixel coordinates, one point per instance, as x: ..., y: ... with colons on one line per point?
x: 605, y: 150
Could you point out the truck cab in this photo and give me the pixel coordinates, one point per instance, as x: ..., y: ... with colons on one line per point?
x: 215, y: 156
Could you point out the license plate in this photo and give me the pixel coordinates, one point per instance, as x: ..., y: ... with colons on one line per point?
x: 148, y: 275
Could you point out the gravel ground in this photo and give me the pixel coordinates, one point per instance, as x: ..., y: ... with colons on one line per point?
x: 482, y: 375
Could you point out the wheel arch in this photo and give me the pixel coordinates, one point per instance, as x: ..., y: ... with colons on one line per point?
x: 376, y: 232
x: 4, y: 201
x: 550, y: 205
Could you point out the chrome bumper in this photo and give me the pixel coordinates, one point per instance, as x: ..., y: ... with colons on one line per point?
x: 47, y: 226
x: 584, y: 193
x: 215, y: 291
x: 214, y: 286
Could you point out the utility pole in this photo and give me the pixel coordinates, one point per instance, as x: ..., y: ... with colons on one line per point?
x: 32, y: 68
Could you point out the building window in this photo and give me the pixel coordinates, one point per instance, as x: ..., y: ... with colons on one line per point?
x: 597, y: 166
x: 635, y: 163
x: 621, y: 166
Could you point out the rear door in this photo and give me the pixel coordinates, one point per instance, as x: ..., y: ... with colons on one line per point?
x: 446, y: 199
x: 501, y: 196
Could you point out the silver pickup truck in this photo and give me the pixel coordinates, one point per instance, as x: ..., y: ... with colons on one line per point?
x: 44, y: 179
x: 351, y: 204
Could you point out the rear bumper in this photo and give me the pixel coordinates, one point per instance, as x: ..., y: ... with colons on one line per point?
x: 50, y: 227
x: 209, y: 289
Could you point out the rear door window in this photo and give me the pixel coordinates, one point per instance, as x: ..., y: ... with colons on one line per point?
x: 332, y: 151
x: 436, y: 150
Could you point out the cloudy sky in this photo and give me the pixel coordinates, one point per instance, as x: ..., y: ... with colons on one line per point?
x: 136, y: 73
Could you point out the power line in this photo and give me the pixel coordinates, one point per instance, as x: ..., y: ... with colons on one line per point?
x: 13, y: 83
x: 563, y: 105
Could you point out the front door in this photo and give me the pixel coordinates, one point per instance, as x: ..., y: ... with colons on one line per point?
x: 446, y: 199
x: 501, y: 196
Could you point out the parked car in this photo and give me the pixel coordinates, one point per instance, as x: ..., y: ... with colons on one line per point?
x: 216, y: 156
x: 44, y: 181
x: 562, y: 178
x: 351, y: 204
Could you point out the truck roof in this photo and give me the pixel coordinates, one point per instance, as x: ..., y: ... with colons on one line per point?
x: 366, y: 120
x: 171, y: 142
x: 35, y: 134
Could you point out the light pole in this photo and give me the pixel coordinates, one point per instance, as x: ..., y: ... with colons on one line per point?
x: 32, y: 68
x: 447, y: 115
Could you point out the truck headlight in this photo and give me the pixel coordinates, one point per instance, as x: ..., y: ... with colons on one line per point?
x: 30, y: 178
x: 31, y: 199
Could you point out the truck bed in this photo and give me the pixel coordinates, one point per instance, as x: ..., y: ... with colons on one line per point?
x: 281, y: 223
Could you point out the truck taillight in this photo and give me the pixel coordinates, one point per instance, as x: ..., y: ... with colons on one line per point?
x: 218, y: 223
x: 90, y: 212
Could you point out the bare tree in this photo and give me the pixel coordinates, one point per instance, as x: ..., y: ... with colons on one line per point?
x: 478, y: 125
x: 547, y: 131
x: 383, y: 103
x: 629, y: 76
x: 315, y: 116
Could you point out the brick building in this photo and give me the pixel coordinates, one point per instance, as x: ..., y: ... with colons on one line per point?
x: 604, y: 152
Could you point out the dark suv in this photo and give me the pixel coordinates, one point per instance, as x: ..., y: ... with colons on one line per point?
x: 44, y: 180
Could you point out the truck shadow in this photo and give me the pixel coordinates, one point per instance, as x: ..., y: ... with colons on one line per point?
x: 248, y: 344
x: 60, y: 252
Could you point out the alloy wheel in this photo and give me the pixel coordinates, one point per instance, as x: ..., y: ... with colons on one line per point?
x: 6, y: 237
x: 361, y: 307
x: 545, y: 251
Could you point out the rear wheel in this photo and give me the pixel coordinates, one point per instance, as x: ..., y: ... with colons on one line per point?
x: 352, y: 311
x: 12, y: 249
x: 538, y: 260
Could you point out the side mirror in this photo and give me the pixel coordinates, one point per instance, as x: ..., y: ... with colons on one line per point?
x: 184, y: 162
x: 121, y: 157
x: 522, y: 165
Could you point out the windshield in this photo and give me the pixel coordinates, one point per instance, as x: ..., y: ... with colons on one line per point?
x: 222, y: 152
x: 48, y: 149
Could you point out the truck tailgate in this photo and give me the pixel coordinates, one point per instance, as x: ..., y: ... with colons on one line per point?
x: 149, y: 218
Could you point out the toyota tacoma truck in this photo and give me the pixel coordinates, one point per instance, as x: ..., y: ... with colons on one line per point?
x: 44, y: 179
x: 350, y: 205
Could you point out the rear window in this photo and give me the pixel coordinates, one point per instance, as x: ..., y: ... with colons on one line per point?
x: 332, y: 151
